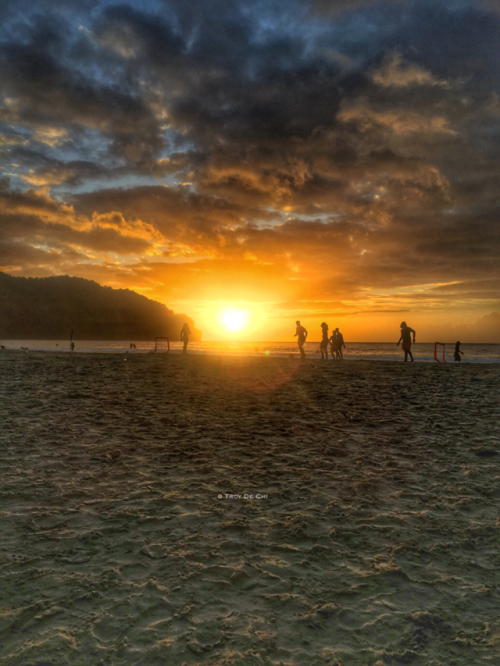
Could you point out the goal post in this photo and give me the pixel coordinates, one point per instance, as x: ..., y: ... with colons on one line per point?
x: 162, y: 344
x: 440, y: 352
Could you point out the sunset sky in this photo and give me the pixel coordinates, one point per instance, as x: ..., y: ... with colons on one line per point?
x: 321, y: 160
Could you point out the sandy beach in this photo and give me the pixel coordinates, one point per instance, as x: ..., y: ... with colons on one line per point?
x: 369, y: 534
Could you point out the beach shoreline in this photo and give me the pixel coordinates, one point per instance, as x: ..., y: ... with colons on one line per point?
x: 291, y: 355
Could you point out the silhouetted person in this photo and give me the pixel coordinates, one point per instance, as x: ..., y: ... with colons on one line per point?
x: 72, y: 346
x: 185, y: 333
x: 406, y: 332
x: 301, y: 332
x: 333, y: 344
x: 457, y: 353
x: 340, y: 344
x: 337, y: 342
x: 323, y: 347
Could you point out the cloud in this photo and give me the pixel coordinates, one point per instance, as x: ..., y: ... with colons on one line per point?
x: 341, y: 149
x: 489, y: 326
x: 333, y: 7
x: 35, y: 217
x: 397, y: 72
x: 398, y: 122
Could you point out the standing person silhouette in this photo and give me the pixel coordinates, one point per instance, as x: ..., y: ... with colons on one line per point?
x: 406, y: 332
x: 457, y: 353
x: 333, y: 344
x: 323, y: 347
x: 301, y: 332
x: 185, y: 333
x: 340, y: 344
x: 337, y: 342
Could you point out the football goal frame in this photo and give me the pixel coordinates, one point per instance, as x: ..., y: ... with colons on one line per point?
x: 440, y: 352
x: 161, y: 339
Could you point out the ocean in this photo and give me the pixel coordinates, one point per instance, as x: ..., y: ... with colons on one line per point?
x: 384, y: 351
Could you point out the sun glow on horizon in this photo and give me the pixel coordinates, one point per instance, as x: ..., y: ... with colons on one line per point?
x: 234, y: 320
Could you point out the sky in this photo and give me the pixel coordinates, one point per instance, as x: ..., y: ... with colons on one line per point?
x: 321, y: 160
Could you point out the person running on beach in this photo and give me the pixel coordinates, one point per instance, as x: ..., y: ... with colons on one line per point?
x: 406, y: 332
x: 323, y: 347
x: 185, y: 333
x: 301, y: 332
x: 457, y: 353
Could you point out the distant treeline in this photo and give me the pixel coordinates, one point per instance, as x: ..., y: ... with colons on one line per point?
x: 49, y: 308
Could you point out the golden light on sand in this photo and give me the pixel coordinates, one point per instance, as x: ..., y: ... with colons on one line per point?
x: 234, y: 320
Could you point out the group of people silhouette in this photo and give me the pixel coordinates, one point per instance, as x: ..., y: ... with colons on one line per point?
x: 406, y: 335
x: 335, y: 341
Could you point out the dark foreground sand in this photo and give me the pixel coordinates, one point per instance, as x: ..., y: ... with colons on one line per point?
x: 378, y: 542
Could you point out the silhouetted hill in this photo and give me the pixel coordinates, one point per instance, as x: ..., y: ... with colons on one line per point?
x: 48, y: 308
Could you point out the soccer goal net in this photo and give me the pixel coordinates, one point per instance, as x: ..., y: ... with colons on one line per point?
x: 441, y: 354
x: 162, y: 345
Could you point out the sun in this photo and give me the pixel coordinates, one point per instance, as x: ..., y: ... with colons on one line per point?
x: 234, y: 320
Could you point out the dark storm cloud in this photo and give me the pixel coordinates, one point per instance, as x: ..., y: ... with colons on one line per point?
x: 61, y: 236
x: 352, y: 141
x: 39, y: 169
x: 177, y: 213
x: 132, y: 33
x: 16, y: 257
x: 332, y: 7
x: 52, y: 76
x: 34, y: 217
